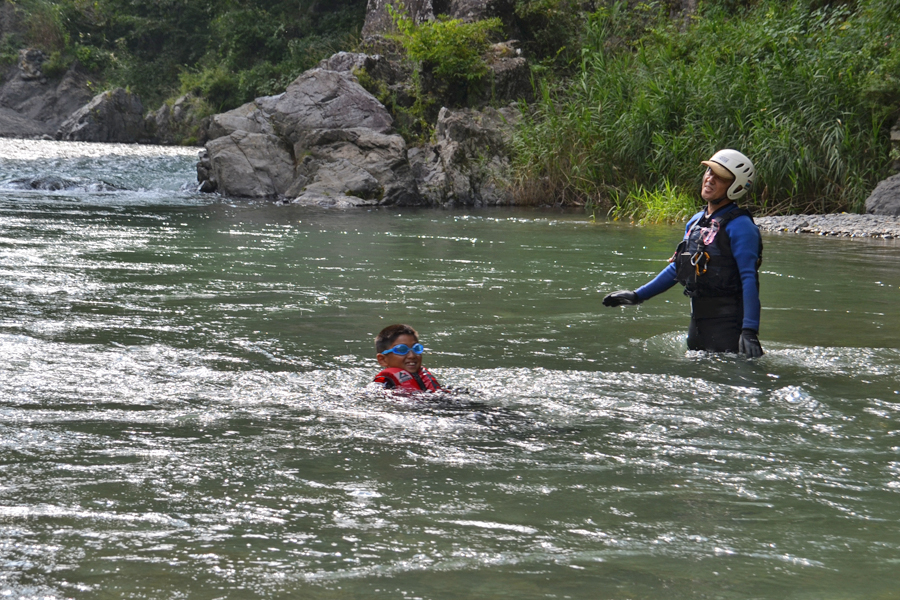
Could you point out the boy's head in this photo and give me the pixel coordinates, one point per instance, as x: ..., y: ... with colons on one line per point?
x: 398, y: 335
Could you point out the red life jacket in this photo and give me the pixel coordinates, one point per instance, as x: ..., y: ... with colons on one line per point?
x: 404, y: 380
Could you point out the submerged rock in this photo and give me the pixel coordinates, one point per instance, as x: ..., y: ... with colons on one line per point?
x: 53, y: 183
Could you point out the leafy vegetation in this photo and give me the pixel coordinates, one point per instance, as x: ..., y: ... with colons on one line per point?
x: 549, y: 31
x: 807, y: 91
x: 229, y: 52
x: 448, y: 62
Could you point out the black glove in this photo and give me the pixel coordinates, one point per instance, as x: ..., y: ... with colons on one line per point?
x: 749, y: 344
x: 621, y: 298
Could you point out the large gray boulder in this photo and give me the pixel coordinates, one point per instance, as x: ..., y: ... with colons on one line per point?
x: 253, y: 117
x: 322, y: 99
x: 325, y: 141
x: 113, y: 116
x: 469, y: 164
x: 251, y: 165
x: 885, y: 198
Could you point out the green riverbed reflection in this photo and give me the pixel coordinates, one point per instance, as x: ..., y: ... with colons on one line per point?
x: 184, y: 410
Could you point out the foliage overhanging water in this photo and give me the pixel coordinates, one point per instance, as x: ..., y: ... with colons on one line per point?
x: 184, y: 409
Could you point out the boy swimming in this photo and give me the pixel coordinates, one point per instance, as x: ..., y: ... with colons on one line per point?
x: 400, y: 354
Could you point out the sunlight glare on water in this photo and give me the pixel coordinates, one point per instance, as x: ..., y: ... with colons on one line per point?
x: 184, y: 409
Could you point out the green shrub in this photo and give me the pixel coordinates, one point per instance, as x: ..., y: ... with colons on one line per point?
x: 449, y: 49
x: 10, y: 43
x: 93, y: 58
x: 44, y: 27
x: 550, y: 30
x: 665, y: 204
x: 248, y: 36
x: 219, y: 86
x: 56, y: 64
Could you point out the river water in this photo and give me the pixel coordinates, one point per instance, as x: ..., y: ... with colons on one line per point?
x: 184, y: 410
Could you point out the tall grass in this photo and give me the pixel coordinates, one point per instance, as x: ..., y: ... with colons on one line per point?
x: 805, y: 92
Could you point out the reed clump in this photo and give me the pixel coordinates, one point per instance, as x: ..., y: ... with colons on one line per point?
x: 807, y: 91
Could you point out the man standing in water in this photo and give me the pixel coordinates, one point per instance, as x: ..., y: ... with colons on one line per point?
x: 717, y: 262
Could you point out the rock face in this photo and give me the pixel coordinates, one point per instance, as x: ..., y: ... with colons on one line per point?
x: 324, y: 141
x: 885, y: 198
x: 113, y: 116
x: 321, y: 99
x: 32, y: 105
x: 469, y: 163
x: 378, y: 20
x: 475, y: 10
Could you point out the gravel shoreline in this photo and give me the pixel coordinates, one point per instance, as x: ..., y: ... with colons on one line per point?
x: 839, y: 225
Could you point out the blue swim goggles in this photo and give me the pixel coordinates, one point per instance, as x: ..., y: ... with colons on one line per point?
x: 403, y: 349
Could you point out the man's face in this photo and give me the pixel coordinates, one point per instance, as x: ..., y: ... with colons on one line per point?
x: 713, y: 186
x: 410, y: 361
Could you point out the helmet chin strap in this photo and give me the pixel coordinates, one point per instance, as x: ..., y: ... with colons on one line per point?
x: 718, y: 202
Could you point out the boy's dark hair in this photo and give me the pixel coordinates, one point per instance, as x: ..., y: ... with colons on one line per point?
x: 385, y: 339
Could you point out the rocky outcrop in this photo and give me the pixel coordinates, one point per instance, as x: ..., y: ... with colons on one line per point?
x: 113, y: 116
x: 33, y: 105
x: 378, y: 20
x: 328, y: 142
x: 508, y: 80
x: 324, y: 141
x: 476, y: 10
x: 469, y: 164
x: 375, y: 66
x: 885, y: 198
x: 30, y: 62
x: 185, y: 121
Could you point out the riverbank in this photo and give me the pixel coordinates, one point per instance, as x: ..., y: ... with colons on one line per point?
x: 839, y: 225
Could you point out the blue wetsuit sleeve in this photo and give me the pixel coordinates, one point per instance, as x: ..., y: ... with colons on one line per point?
x: 659, y: 284
x: 744, y: 236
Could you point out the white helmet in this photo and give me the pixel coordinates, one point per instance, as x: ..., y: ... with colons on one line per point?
x: 731, y: 163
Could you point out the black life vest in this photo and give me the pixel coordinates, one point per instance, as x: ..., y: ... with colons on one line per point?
x: 704, y: 263
x: 403, y: 379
